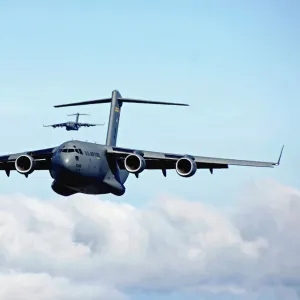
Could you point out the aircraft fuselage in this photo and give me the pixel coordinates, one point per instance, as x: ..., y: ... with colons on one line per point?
x: 84, y: 167
x: 71, y: 126
x: 90, y: 168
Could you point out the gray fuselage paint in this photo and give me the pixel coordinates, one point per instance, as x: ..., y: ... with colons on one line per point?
x: 72, y: 126
x: 88, y: 170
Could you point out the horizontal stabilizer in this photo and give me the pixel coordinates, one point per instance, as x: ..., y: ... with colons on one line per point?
x: 106, y: 100
x: 130, y: 100
x: 122, y: 100
x: 78, y: 114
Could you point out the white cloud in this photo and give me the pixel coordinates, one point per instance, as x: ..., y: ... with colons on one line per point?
x: 19, y: 286
x: 83, y: 247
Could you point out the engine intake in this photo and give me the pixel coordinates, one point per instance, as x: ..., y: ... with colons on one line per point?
x: 186, y: 167
x: 25, y: 164
x: 135, y: 163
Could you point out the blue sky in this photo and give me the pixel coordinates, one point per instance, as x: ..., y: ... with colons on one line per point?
x: 236, y: 63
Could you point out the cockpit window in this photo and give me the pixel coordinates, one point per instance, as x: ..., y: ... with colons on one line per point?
x: 68, y: 150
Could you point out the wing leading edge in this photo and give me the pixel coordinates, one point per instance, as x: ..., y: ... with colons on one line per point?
x: 56, y: 125
x: 159, y: 160
x: 89, y: 124
x: 42, y: 158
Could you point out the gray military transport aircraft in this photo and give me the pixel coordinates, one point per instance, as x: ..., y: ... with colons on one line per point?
x: 73, y: 125
x: 90, y: 168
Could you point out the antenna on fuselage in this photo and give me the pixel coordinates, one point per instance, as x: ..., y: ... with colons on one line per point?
x: 116, y: 101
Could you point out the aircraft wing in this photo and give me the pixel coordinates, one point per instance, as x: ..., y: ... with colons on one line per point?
x: 42, y: 159
x: 88, y: 124
x: 56, y: 125
x: 163, y: 161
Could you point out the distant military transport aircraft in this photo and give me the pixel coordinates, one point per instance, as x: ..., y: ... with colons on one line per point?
x: 90, y: 168
x: 74, y: 125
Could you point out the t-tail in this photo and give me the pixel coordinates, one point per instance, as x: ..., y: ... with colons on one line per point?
x: 77, y: 116
x: 116, y: 101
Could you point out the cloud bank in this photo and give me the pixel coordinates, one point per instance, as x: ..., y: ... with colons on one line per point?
x: 87, y: 248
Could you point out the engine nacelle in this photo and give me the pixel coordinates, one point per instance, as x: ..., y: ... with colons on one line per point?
x: 25, y: 164
x: 186, y: 167
x: 135, y: 163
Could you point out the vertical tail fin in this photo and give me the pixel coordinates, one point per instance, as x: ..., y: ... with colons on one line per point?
x: 114, y: 118
x: 115, y: 110
x: 77, y: 116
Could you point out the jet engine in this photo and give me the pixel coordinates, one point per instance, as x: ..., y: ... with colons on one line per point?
x: 25, y: 164
x: 186, y: 167
x: 135, y: 163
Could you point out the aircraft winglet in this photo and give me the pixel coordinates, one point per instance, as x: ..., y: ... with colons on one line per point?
x: 278, y: 162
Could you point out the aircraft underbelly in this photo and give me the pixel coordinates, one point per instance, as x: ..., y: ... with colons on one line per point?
x: 93, y: 189
x: 94, y: 186
x: 88, y: 177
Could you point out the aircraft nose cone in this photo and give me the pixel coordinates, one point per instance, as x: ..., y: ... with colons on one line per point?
x: 66, y: 162
x: 62, y: 167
